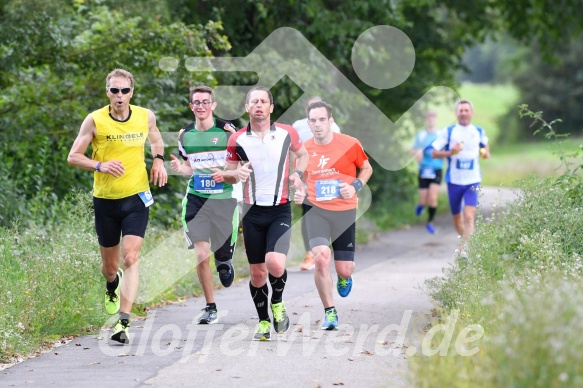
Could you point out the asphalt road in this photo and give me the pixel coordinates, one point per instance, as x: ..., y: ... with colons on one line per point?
x: 381, y: 323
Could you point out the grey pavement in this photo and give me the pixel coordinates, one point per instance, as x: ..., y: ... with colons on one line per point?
x: 381, y: 323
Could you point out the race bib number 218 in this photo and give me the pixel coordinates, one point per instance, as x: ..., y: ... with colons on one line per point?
x: 328, y: 189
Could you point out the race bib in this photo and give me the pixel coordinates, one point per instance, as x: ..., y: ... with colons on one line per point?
x: 146, y: 197
x: 203, y: 183
x: 465, y: 164
x: 427, y: 173
x: 327, y: 190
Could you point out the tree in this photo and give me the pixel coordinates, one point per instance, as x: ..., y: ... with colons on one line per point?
x: 53, y: 67
x: 440, y: 31
x: 554, y: 86
x: 53, y: 61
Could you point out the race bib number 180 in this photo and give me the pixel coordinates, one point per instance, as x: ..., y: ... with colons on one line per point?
x: 203, y: 183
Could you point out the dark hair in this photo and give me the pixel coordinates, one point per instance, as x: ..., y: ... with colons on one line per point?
x: 320, y: 104
x: 458, y: 103
x: 262, y: 88
x: 201, y: 89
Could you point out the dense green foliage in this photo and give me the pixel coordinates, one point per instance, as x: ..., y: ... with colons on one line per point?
x: 53, y: 74
x: 53, y: 62
x: 550, y: 81
x: 554, y: 86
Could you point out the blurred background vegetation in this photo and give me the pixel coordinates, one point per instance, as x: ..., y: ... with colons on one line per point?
x: 54, y: 57
x: 53, y: 62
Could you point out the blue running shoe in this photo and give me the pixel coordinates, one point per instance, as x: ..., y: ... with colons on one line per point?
x: 419, y: 210
x: 430, y: 228
x: 344, y: 286
x: 330, y: 320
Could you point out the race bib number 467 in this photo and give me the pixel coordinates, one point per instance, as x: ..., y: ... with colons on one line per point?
x: 465, y: 164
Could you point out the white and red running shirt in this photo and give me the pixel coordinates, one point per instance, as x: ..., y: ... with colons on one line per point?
x: 268, y: 184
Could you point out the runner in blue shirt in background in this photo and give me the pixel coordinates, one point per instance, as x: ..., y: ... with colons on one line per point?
x: 430, y: 170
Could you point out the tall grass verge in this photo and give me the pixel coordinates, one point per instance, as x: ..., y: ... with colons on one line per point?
x: 44, y: 269
x: 523, y: 284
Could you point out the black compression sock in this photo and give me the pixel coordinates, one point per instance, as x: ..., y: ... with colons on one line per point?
x: 259, y: 295
x: 277, y: 286
x: 431, y: 212
x: 111, y: 286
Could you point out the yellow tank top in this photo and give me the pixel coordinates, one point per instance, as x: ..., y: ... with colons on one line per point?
x: 123, y: 141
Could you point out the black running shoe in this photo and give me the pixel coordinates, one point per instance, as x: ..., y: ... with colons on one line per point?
x: 226, y: 274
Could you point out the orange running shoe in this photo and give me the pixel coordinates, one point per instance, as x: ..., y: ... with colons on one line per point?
x: 309, y: 262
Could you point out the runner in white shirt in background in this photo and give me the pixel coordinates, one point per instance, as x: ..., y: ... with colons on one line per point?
x: 463, y: 144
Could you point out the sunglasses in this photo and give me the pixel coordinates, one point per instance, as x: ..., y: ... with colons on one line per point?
x: 117, y: 90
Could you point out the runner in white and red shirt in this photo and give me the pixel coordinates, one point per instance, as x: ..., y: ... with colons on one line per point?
x: 261, y: 154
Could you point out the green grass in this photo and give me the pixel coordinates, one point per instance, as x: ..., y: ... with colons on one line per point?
x: 522, y: 281
x: 43, y: 273
x: 490, y: 102
x: 508, y: 163
x: 511, y: 163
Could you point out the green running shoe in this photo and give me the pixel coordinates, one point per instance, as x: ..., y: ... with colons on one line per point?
x: 112, y: 298
x: 121, y: 332
x: 263, y: 331
x: 280, y: 318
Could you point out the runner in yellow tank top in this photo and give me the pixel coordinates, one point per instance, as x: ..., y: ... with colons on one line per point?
x: 125, y: 141
x: 122, y: 195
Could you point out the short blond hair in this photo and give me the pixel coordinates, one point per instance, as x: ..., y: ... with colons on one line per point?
x: 120, y: 73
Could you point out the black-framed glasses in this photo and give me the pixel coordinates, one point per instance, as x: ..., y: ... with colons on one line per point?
x: 122, y: 90
x: 205, y: 103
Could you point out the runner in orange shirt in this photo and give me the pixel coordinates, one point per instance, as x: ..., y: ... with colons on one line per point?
x: 332, y: 182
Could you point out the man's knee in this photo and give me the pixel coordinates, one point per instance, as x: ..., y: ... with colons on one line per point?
x: 322, y: 255
x: 258, y: 276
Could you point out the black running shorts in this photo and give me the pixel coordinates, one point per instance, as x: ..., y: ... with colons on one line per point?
x: 266, y: 229
x: 125, y: 216
x: 336, y: 226
x: 425, y: 182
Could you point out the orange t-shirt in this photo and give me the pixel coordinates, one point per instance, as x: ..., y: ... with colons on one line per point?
x: 328, y: 165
